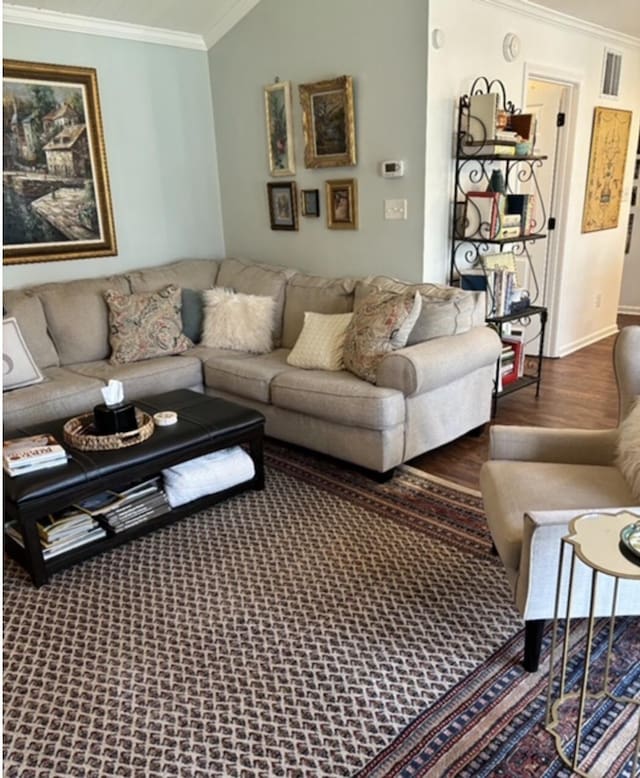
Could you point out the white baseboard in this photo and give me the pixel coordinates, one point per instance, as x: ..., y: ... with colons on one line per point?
x: 594, y: 337
x: 629, y: 310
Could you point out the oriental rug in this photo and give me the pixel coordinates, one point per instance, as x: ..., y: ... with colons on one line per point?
x: 326, y: 626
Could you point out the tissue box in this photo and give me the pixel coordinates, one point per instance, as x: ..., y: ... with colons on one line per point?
x: 110, y: 419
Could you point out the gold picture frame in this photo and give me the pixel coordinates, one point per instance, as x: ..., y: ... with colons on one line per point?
x: 342, y: 204
x: 57, y: 202
x: 607, y: 158
x: 328, y: 123
x: 280, y: 148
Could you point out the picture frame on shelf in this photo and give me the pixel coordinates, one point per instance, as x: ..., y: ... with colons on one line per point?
x: 342, y: 204
x: 283, y: 205
x: 279, y: 126
x: 57, y: 200
x: 310, y: 202
x: 607, y: 159
x: 328, y: 123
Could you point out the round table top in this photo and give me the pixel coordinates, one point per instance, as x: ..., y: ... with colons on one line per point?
x: 596, y: 541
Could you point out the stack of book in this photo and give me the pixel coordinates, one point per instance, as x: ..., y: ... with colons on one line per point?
x: 122, y: 510
x: 62, y: 532
x: 31, y: 453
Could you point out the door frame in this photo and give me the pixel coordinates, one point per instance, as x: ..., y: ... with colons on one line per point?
x: 556, y: 239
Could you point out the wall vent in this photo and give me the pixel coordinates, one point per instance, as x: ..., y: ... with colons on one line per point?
x: 612, y: 66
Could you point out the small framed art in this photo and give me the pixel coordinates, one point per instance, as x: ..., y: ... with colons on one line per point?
x: 342, y: 204
x: 310, y: 202
x: 283, y: 205
x: 277, y: 106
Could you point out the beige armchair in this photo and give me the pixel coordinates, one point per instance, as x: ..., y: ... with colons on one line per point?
x: 537, y: 480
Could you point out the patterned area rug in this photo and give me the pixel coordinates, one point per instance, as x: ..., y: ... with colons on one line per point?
x: 297, y: 631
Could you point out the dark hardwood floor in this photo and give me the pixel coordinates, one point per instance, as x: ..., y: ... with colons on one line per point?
x: 578, y: 390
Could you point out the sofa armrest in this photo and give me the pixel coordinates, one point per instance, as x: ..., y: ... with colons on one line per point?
x: 546, y: 444
x: 433, y: 363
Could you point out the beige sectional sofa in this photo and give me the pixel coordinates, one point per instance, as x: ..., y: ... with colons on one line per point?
x: 426, y: 394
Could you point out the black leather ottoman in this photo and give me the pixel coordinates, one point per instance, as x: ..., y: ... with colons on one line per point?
x: 205, y: 424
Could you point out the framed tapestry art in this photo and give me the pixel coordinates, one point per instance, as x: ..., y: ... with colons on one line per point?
x: 283, y: 210
x: 57, y: 203
x: 328, y: 123
x: 342, y: 204
x: 277, y: 106
x: 609, y: 143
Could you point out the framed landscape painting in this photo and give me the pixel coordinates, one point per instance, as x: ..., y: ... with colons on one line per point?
x: 277, y: 106
x: 328, y: 123
x: 283, y: 210
x: 57, y: 203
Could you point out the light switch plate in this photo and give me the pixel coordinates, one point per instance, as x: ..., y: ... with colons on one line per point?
x: 395, y: 209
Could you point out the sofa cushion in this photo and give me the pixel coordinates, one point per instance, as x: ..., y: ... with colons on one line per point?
x: 141, y: 379
x: 18, y: 366
x: 145, y: 325
x: 192, y: 273
x: 29, y: 313
x: 381, y: 323
x: 192, y: 314
x: 240, y: 322
x: 339, y: 397
x: 62, y: 394
x: 313, y: 293
x: 260, y: 279
x: 77, y: 316
x: 320, y: 345
x: 250, y: 378
x: 628, y: 449
x: 446, y: 310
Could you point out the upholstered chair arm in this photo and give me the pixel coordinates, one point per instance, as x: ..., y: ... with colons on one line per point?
x: 546, y: 444
x: 538, y: 574
x: 425, y: 366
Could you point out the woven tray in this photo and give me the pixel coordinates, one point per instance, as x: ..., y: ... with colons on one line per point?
x: 80, y: 433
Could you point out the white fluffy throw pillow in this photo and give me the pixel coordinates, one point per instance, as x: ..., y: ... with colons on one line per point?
x: 628, y: 455
x: 320, y: 345
x: 241, y: 322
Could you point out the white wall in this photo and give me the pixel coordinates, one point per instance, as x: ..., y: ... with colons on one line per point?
x: 473, y: 32
x: 383, y: 46
x: 159, y: 135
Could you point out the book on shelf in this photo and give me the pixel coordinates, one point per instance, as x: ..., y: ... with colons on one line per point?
x: 483, y: 214
x: 488, y: 149
x: 483, y: 117
x: 32, y: 452
x: 521, y: 205
x: 473, y: 279
x: 517, y: 344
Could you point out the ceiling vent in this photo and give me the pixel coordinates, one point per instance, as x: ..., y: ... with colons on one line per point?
x: 611, y: 73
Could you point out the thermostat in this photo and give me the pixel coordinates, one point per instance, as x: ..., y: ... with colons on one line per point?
x: 392, y: 168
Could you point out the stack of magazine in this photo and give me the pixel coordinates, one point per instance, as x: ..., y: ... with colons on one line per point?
x: 122, y: 510
x: 62, y: 532
x: 31, y: 453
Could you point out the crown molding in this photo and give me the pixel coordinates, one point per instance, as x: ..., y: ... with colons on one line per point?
x: 237, y: 11
x: 54, y: 20
x: 542, y: 13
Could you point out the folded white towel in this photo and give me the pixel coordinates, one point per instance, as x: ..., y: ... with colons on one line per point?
x: 207, y: 474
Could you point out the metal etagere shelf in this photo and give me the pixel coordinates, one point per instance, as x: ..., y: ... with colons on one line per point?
x: 476, y: 236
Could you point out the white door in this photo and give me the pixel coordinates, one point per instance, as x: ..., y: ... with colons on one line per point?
x: 545, y: 100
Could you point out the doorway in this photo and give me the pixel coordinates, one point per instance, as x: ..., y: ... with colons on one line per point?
x: 547, y: 97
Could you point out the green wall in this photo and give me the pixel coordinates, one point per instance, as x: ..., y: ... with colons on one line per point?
x: 159, y: 135
x: 383, y: 46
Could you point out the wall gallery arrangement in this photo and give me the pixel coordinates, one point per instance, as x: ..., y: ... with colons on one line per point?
x: 57, y: 202
x: 328, y: 124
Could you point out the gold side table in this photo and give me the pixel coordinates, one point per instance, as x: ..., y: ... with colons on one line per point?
x: 595, y: 540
